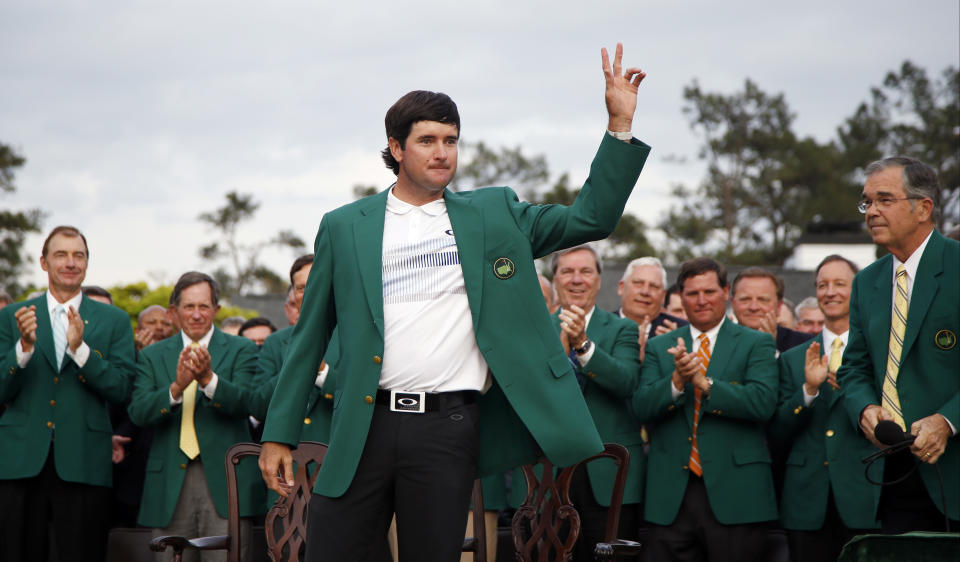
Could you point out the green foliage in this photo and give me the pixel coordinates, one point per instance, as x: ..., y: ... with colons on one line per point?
x: 361, y: 191
x: 14, y: 225
x: 244, y: 269
x: 506, y: 166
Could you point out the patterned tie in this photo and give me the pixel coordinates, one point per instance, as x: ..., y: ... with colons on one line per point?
x: 188, y: 432
x: 703, y: 352
x: 898, y: 325
x: 836, y: 355
x: 60, y: 332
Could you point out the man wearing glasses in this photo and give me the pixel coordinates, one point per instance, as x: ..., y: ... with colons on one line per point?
x: 902, y: 360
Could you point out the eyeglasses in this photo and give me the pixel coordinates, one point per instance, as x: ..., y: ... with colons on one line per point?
x: 883, y: 202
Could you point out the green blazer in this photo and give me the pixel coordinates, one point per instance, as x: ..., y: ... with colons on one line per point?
x: 929, y: 365
x: 316, y: 420
x: 220, y: 423
x: 534, y: 386
x: 825, y: 453
x: 731, y: 434
x: 71, y: 403
x: 609, y: 381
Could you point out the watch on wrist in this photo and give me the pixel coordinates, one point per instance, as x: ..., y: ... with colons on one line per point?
x: 709, y: 385
x: 584, y: 347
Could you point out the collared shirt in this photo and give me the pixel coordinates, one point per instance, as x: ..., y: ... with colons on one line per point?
x: 429, y: 341
x: 827, y: 349
x: 211, y: 387
x: 712, y: 334
x: 911, y: 265
x: 79, y: 356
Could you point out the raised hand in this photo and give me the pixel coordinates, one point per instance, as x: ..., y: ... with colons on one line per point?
x: 74, y: 329
x: 814, y: 369
x: 621, y: 90
x: 27, y: 325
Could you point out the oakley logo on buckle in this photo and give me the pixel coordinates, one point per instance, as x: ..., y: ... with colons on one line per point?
x: 407, y: 402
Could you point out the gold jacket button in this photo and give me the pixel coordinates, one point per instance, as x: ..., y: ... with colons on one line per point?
x: 183, y: 466
x: 56, y: 380
x: 163, y: 410
x: 82, y: 379
x: 53, y: 402
x: 377, y: 359
x: 685, y: 467
x: 216, y: 404
x: 368, y: 399
x: 826, y: 463
x: 830, y: 433
x: 306, y: 421
x: 50, y: 424
x: 328, y: 396
x: 671, y: 407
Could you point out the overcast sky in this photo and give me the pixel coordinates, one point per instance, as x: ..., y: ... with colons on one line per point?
x: 137, y: 116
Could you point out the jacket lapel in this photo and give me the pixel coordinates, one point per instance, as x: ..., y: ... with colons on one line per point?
x: 925, y: 288
x: 45, y: 333
x: 467, y: 223
x: 882, y: 305
x: 727, y: 339
x: 368, y: 237
x: 218, y: 350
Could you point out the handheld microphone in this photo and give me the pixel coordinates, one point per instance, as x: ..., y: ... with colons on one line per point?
x: 889, y: 433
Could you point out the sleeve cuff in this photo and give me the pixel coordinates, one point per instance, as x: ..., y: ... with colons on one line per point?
x: 23, y: 357
x: 808, y: 399
x: 81, y: 355
x: 211, y: 387
x: 625, y: 136
x: 322, y: 375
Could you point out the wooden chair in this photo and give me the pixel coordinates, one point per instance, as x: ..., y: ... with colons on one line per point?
x: 547, y: 525
x: 285, y: 525
x: 286, y: 521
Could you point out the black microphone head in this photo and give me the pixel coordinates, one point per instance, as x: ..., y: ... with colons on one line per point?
x: 889, y: 433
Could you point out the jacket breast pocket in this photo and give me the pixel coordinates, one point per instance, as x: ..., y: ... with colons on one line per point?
x: 750, y: 455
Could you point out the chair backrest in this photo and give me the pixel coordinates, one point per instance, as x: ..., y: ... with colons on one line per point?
x: 286, y: 521
x: 477, y: 544
x: 547, y: 522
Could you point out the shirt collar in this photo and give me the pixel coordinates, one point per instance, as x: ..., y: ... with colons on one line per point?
x: 74, y: 301
x: 828, y: 338
x: 204, y: 341
x: 913, y: 262
x: 711, y: 333
x: 398, y: 207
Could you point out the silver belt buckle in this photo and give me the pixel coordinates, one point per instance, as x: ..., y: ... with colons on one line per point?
x: 408, y: 402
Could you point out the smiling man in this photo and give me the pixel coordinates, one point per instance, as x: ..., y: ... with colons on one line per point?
x: 63, y: 356
x: 452, y: 367
x: 709, y: 484
x: 902, y: 359
x: 642, y: 291
x: 756, y: 296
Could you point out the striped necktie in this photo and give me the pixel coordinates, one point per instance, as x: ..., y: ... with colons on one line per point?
x: 898, y: 326
x: 60, y: 332
x: 703, y: 352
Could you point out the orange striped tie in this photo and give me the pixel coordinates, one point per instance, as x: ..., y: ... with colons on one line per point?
x: 703, y: 352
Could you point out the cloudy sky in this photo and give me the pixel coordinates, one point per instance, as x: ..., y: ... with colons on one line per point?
x: 137, y: 116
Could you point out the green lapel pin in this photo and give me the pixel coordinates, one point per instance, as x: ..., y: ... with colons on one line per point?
x: 504, y: 268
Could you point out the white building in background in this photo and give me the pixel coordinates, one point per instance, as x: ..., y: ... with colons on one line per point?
x: 820, y: 241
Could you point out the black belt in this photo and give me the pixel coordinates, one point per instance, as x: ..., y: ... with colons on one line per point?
x: 420, y: 402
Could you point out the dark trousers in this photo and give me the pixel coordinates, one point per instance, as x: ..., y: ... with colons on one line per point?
x: 78, y: 513
x: 908, y: 506
x: 696, y: 535
x: 826, y: 542
x: 593, y: 517
x: 419, y: 466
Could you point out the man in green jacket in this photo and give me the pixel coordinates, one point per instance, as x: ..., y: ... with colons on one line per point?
x: 436, y: 299
x: 194, y: 388
x: 826, y: 498
x: 607, y: 356
x: 902, y: 360
x: 63, y: 356
x: 709, y: 484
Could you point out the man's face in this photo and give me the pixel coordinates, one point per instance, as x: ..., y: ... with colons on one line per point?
x: 428, y: 159
x: 704, y: 300
x: 834, y: 283
x: 810, y: 321
x: 641, y: 293
x: 65, y: 263
x: 196, y: 310
x: 754, y: 298
x: 156, y: 321
x: 257, y: 334
x: 300, y: 284
x: 577, y: 280
x: 893, y: 225
x: 675, y: 306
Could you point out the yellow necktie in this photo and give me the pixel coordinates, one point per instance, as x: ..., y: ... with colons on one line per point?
x: 836, y: 356
x: 188, y: 433
x: 898, y: 326
x: 704, y: 353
